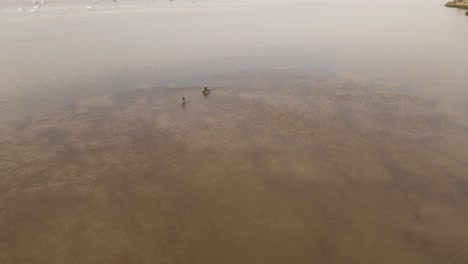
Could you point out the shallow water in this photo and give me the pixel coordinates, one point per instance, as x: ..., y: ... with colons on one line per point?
x: 334, y: 133
x: 327, y: 171
x: 48, y: 57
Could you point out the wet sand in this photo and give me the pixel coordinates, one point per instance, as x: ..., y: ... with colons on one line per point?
x: 266, y: 169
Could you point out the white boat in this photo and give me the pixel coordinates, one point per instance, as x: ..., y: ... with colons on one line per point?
x: 20, y: 5
x: 89, y: 5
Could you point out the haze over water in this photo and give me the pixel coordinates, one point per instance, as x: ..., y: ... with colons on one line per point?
x: 48, y: 55
x: 335, y: 132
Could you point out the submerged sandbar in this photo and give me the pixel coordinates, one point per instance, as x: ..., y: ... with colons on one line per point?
x: 275, y: 169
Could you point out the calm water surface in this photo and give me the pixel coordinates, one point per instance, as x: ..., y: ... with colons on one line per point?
x: 336, y: 132
x: 50, y: 58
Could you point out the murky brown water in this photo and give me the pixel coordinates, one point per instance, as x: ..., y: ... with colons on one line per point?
x: 322, y: 170
x: 334, y: 133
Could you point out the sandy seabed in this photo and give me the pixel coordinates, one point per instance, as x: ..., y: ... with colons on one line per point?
x: 266, y: 169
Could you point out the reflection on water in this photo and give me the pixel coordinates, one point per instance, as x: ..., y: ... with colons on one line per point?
x: 326, y: 171
x: 335, y: 132
x: 48, y: 57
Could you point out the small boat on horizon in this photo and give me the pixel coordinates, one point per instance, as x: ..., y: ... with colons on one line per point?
x: 89, y: 5
x: 20, y: 5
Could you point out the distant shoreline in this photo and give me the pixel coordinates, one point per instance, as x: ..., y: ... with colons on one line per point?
x: 457, y: 4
